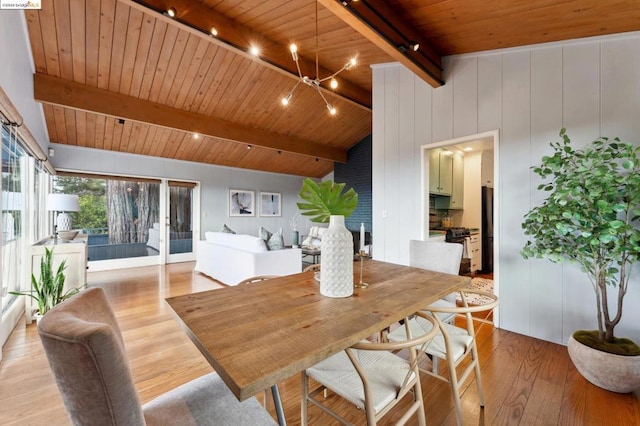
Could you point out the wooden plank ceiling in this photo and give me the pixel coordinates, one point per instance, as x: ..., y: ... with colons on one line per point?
x: 117, y: 75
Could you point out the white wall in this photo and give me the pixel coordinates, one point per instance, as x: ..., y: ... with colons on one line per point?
x: 589, y: 86
x: 16, y: 73
x: 215, y: 184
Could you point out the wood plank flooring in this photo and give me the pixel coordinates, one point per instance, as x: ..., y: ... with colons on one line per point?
x: 526, y: 381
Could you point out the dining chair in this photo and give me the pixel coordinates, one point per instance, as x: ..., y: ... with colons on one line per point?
x: 84, y: 345
x: 315, y: 267
x: 453, y: 343
x: 372, y: 376
x: 256, y: 279
x: 437, y: 256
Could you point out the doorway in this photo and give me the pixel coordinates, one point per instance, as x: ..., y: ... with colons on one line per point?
x: 479, y: 208
x: 181, y: 221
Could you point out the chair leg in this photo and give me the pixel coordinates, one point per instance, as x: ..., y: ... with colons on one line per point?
x: 422, y: 420
x: 455, y: 389
x: 474, y: 354
x: 303, y: 402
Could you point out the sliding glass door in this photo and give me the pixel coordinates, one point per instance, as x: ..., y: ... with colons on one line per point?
x: 181, y: 220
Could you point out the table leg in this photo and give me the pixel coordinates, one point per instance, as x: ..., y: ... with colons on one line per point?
x: 277, y: 402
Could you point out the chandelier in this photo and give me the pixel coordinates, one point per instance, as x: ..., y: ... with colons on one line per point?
x: 315, y: 82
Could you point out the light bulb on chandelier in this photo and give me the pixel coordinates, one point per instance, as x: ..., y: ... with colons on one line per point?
x: 315, y: 82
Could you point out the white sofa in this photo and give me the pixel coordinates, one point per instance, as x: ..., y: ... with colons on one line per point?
x: 232, y: 258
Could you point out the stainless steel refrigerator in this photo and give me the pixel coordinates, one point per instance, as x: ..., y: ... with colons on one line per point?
x: 487, y: 230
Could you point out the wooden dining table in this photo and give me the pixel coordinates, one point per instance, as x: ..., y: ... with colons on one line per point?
x: 258, y: 335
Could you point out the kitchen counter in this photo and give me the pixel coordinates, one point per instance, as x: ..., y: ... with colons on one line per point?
x: 474, y: 230
x: 433, y: 233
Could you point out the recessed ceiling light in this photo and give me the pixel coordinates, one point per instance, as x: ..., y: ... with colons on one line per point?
x: 171, y: 12
x: 196, y: 135
x: 468, y: 148
x: 214, y: 32
x: 254, y: 51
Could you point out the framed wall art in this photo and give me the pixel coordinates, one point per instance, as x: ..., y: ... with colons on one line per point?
x: 241, y: 203
x: 270, y: 204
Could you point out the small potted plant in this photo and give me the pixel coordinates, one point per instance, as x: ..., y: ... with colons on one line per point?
x: 48, y: 288
x: 325, y: 202
x: 590, y: 218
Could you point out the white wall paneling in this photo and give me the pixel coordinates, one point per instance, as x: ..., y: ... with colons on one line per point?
x: 546, y: 120
x: 379, y: 220
x: 407, y: 186
x: 392, y: 165
x: 620, y: 88
x: 442, y: 107
x: 423, y: 125
x: 590, y: 86
x: 465, y: 97
x: 514, y: 196
x: 489, y: 92
x: 581, y: 117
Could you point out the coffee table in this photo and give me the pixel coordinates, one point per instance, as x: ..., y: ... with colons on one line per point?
x: 313, y: 252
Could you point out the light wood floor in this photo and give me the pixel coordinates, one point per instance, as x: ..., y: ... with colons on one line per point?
x: 526, y: 381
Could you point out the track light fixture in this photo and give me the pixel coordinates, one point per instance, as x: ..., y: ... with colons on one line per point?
x: 413, y: 46
x: 315, y: 82
x: 171, y: 12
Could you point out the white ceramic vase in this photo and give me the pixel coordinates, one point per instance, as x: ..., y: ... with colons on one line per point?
x: 336, y: 268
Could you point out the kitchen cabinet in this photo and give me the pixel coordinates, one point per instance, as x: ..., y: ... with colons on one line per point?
x: 475, y: 252
x: 486, y: 176
x: 440, y: 172
x: 457, y: 183
x: 74, y: 252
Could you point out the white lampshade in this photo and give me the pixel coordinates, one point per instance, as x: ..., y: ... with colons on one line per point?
x: 63, y: 203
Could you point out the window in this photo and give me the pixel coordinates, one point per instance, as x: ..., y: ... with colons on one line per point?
x: 117, y: 213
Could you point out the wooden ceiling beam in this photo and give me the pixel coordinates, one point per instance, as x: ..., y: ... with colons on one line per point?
x: 65, y: 93
x: 199, y: 19
x: 384, y: 27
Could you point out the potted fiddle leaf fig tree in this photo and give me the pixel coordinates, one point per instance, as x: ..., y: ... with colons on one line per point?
x: 325, y: 202
x: 48, y: 288
x: 590, y: 218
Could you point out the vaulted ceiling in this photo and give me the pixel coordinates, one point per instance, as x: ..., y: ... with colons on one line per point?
x: 120, y: 75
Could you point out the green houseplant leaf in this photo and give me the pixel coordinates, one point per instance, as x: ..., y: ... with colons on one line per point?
x: 322, y: 200
x: 589, y: 218
x: 48, y: 289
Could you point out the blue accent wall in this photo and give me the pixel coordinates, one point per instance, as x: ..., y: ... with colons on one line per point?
x: 356, y: 173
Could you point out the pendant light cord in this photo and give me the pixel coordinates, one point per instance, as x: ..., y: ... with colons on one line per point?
x: 317, y: 66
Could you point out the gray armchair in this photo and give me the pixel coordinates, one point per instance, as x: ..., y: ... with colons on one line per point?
x: 86, y: 352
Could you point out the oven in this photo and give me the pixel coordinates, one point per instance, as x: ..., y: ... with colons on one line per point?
x: 461, y: 236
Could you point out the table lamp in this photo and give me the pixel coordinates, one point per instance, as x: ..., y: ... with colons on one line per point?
x: 63, y: 203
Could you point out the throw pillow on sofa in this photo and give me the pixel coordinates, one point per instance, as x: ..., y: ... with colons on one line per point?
x: 314, y: 239
x: 228, y: 230
x: 273, y: 241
